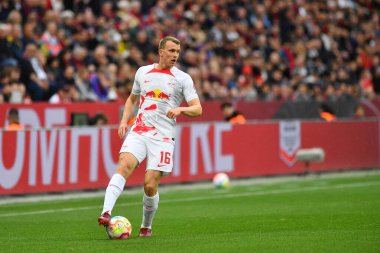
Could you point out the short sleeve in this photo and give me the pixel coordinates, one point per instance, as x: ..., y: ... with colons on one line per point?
x: 136, y: 89
x: 189, y: 91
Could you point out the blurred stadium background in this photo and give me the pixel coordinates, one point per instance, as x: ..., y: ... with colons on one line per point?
x: 304, y: 74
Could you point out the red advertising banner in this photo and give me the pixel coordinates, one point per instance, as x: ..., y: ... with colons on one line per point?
x: 46, y: 115
x: 61, y: 159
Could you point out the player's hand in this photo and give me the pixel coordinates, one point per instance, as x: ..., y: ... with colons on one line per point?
x: 172, y: 113
x: 123, y: 128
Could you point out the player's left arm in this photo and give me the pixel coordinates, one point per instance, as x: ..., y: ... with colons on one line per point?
x: 193, y: 109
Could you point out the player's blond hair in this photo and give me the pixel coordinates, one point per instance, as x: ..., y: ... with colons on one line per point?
x: 163, y: 41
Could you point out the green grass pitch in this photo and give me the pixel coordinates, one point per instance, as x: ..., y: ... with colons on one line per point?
x: 314, y: 214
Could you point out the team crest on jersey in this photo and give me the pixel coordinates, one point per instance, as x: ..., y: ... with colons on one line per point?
x: 172, y: 82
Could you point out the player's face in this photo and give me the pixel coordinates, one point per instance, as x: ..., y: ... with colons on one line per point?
x: 169, y: 54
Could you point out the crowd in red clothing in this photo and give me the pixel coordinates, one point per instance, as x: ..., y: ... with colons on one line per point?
x: 300, y: 50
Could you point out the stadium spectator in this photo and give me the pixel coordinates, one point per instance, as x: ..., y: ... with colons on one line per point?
x: 101, y: 83
x: 49, y: 40
x: 66, y: 93
x: 13, y: 91
x: 14, y: 120
x: 367, y: 85
x: 231, y: 115
x: 302, y: 93
x: 359, y: 112
x: 82, y: 83
x: 33, y: 74
x: 99, y: 119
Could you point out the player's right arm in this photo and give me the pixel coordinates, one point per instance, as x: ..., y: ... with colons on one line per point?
x: 130, y: 105
x: 129, y: 108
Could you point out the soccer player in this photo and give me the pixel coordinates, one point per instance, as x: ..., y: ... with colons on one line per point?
x: 161, y: 88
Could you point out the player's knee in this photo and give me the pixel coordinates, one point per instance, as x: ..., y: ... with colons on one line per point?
x: 150, y: 189
x: 124, y: 171
x: 125, y: 166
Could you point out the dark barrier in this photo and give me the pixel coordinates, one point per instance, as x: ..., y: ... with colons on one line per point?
x: 343, y: 107
x: 298, y: 110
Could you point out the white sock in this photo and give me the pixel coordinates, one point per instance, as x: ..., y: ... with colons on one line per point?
x: 150, y: 205
x: 113, y: 191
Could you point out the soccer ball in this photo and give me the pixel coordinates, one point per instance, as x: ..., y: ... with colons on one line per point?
x: 221, y: 181
x: 119, y: 228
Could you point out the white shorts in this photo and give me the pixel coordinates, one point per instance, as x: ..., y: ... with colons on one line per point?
x: 159, y: 154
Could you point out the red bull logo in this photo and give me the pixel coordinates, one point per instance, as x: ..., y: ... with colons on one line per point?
x: 150, y: 94
x: 157, y: 94
x: 163, y: 95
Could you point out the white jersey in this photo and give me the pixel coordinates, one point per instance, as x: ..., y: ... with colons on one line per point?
x: 160, y: 91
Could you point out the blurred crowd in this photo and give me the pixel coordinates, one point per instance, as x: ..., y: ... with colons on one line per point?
x: 82, y: 50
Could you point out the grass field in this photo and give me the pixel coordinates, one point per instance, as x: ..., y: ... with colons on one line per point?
x: 316, y: 214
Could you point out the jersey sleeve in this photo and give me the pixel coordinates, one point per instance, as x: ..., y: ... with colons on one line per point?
x: 189, y: 91
x: 136, y: 88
